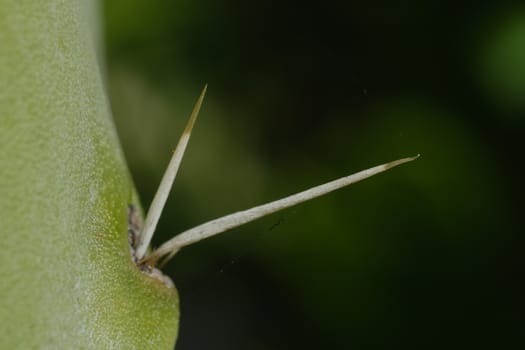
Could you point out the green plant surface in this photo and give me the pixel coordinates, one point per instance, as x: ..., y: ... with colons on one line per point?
x: 67, y: 280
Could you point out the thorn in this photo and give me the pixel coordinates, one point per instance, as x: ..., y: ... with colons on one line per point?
x: 167, y: 250
x: 157, y: 205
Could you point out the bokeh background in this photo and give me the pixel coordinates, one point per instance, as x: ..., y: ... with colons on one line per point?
x: 426, y: 256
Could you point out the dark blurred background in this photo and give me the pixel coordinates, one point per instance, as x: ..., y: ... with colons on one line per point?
x: 426, y: 256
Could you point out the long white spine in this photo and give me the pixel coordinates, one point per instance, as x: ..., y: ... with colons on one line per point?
x: 157, y: 205
x: 214, y: 227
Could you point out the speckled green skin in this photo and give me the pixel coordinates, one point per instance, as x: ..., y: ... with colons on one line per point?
x: 66, y: 277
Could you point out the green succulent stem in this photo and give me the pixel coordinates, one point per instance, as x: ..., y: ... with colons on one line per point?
x: 67, y: 279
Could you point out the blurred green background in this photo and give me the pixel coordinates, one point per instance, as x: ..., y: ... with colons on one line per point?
x: 425, y: 256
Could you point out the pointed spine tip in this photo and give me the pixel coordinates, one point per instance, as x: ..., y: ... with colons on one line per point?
x: 195, y: 112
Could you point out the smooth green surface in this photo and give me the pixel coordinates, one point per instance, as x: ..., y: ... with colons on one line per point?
x: 66, y: 277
